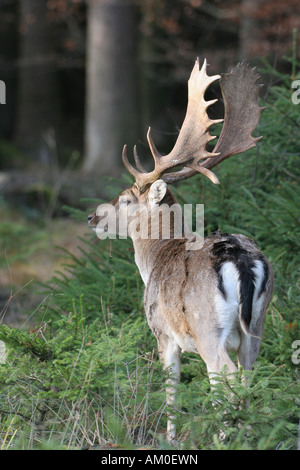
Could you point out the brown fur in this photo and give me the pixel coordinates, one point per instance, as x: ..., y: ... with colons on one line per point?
x: 181, y: 292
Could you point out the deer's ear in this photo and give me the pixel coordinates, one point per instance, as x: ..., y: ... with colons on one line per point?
x: 157, y: 192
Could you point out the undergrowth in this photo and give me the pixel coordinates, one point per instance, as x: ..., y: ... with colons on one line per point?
x: 88, y: 376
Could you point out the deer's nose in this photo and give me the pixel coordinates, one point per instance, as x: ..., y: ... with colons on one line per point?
x: 90, y: 217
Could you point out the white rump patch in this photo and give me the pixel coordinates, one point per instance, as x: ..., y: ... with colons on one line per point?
x: 228, y: 308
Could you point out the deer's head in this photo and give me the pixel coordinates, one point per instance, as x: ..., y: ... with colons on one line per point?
x: 240, y: 95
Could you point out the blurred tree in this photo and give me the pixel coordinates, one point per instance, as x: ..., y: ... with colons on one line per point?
x: 8, y: 54
x: 112, y: 83
x: 248, y: 25
x: 39, y: 105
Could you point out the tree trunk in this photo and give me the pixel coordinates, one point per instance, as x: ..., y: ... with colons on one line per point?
x: 112, y: 84
x: 8, y: 55
x: 249, y: 30
x: 38, y: 101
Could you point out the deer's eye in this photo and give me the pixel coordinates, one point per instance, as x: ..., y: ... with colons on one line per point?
x: 124, y: 201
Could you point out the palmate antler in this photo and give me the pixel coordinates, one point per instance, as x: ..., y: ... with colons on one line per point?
x: 242, y: 112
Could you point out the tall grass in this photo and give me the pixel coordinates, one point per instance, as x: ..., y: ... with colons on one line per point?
x: 88, y: 374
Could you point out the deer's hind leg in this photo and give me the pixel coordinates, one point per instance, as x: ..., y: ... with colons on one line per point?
x: 215, y: 356
x: 169, y: 353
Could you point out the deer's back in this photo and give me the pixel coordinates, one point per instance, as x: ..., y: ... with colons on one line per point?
x: 190, y: 291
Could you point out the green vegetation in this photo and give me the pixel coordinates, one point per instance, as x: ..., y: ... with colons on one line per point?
x: 88, y: 374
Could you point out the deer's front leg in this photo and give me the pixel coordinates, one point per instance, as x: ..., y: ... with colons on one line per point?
x: 169, y: 353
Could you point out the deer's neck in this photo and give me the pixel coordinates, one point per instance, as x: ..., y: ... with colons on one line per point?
x: 161, y: 232
x: 147, y: 254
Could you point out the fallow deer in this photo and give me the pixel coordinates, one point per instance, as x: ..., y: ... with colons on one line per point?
x: 213, y: 299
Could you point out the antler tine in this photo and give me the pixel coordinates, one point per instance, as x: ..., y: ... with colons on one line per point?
x: 142, y: 178
x: 155, y: 153
x: 187, y: 172
x: 137, y: 161
x: 127, y: 164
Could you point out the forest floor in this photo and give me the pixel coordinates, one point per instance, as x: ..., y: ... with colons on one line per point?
x: 20, y: 271
x: 35, y: 229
